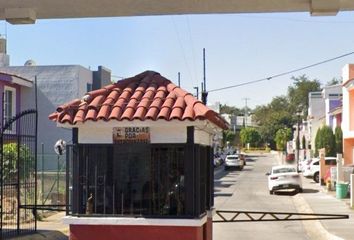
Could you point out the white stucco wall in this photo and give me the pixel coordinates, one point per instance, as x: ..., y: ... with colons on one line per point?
x: 345, y: 113
x: 160, y: 131
x: 316, y: 105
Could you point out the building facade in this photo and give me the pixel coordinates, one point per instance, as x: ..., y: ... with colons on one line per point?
x: 55, y: 84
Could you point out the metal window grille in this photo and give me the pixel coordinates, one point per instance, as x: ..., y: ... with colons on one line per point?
x: 152, y: 180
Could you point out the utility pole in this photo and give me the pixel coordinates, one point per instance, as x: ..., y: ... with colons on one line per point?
x: 179, y: 79
x: 196, y: 88
x: 204, y: 92
x: 246, y: 110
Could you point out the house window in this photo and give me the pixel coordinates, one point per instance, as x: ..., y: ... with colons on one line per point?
x: 9, y: 104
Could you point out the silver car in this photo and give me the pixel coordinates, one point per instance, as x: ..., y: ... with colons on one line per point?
x: 234, y: 161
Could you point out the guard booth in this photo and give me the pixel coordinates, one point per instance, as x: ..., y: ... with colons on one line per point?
x: 140, y: 166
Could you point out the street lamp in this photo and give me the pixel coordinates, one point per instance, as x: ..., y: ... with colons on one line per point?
x: 298, y: 114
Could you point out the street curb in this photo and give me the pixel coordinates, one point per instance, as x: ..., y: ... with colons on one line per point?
x: 314, y: 228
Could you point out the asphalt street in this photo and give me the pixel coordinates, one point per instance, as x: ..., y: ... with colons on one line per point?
x: 247, y: 190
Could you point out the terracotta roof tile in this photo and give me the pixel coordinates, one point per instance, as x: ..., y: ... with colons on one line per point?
x: 116, y: 113
x: 145, y: 96
x: 91, y: 115
x: 97, y: 102
x: 188, y: 113
x: 164, y: 113
x: 103, y: 114
x: 151, y: 114
x: 140, y: 113
x: 80, y: 115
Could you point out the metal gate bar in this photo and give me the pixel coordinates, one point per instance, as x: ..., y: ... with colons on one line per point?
x: 254, y: 216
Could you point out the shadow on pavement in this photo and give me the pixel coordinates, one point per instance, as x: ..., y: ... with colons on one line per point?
x: 222, y: 185
x: 222, y: 194
x: 224, y: 173
x: 294, y: 192
x: 250, y: 160
x: 54, y: 235
x: 307, y: 190
x: 246, y: 169
x: 286, y: 192
x: 255, y: 156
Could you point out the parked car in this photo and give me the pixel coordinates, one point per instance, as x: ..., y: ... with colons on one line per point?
x: 313, y: 169
x: 290, y: 158
x: 284, y: 177
x: 303, y: 164
x: 234, y: 161
x: 217, y: 161
x: 243, y: 157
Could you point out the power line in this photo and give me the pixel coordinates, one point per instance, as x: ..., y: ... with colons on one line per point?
x: 282, y: 74
x: 193, y: 52
x: 182, y: 48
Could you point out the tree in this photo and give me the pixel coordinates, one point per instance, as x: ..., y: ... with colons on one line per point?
x: 229, y: 136
x: 250, y: 135
x: 298, y: 93
x: 304, y: 142
x: 318, y: 142
x: 325, y: 139
x: 230, y: 110
x: 334, y: 81
x: 282, y: 137
x: 338, y: 135
x: 272, y: 117
x: 11, y: 157
x: 280, y: 113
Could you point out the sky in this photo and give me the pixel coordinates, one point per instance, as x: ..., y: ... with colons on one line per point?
x: 239, y: 48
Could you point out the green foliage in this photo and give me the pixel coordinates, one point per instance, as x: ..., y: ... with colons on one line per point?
x: 282, y: 136
x: 280, y: 113
x: 10, y: 159
x: 297, y: 143
x: 251, y: 136
x: 230, y: 110
x: 272, y: 117
x: 303, y: 143
x: 298, y: 93
x: 338, y: 135
x: 334, y: 81
x: 325, y: 139
x: 318, y: 142
x: 230, y: 136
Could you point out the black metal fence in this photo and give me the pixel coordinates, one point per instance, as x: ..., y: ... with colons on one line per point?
x: 151, y: 180
x: 51, y: 181
x: 18, y: 179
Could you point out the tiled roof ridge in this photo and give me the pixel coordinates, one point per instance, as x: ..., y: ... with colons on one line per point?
x: 147, y: 95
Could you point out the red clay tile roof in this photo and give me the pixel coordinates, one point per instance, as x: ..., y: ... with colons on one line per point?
x: 145, y: 96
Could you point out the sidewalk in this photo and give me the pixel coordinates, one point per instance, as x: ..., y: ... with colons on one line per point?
x: 50, y: 228
x: 315, y: 199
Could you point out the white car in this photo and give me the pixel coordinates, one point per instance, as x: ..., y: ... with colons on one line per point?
x: 284, y: 177
x: 313, y: 169
x: 303, y: 164
x: 234, y: 161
